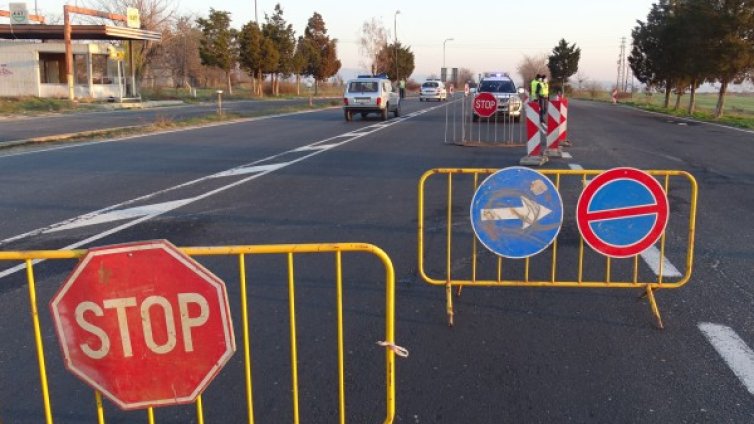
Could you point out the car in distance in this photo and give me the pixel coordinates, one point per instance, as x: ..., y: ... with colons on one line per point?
x: 502, y: 87
x: 370, y: 94
x: 433, y: 89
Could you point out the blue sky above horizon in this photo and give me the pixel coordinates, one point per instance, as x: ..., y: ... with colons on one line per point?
x: 487, y: 37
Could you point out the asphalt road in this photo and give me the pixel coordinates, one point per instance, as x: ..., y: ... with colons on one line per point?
x: 538, y: 355
x: 42, y: 126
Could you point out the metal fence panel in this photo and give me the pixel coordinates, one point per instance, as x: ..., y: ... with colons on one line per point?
x: 441, y: 236
x: 337, y: 251
x: 503, y: 129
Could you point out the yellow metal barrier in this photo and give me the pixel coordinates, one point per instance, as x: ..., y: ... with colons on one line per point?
x: 242, y: 252
x: 579, y: 277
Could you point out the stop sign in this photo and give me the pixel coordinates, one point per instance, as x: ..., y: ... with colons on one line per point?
x: 485, y: 104
x: 144, y: 324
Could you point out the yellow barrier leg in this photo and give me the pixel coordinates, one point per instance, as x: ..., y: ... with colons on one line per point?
x: 449, y: 304
x: 100, y: 408
x: 655, y: 309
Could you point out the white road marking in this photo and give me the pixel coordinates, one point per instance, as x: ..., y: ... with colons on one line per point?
x: 734, y: 351
x: 252, y: 169
x: 575, y: 166
x: 156, y: 211
x: 310, y: 148
x: 652, y: 257
x: 566, y: 155
x: 120, y: 215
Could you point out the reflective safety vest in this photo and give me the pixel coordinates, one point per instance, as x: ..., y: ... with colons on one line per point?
x: 545, y: 89
x: 533, y: 91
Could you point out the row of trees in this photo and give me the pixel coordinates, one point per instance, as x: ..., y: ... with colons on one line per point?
x: 560, y: 65
x: 685, y: 43
x: 270, y: 49
x: 204, y: 50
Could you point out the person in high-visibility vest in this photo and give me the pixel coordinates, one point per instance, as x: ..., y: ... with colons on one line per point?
x: 543, y: 92
x: 533, y: 86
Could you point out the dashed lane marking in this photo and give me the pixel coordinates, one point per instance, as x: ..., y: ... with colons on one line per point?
x: 652, y: 257
x: 734, y: 351
x: 252, y: 169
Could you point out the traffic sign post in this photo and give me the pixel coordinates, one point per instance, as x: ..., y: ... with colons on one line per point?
x: 516, y: 212
x: 144, y: 324
x: 622, y: 212
x: 485, y: 105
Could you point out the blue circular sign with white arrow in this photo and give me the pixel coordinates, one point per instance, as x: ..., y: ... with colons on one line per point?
x: 516, y: 212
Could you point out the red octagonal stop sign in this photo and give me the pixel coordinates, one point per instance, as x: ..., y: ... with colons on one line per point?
x: 485, y: 104
x: 144, y: 324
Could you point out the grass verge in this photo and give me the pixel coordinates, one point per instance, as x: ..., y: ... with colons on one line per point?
x: 36, y: 105
x: 739, y: 110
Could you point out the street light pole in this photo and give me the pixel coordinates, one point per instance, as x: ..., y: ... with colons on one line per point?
x: 395, y: 43
x: 443, y: 50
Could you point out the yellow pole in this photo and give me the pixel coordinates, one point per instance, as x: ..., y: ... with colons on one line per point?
x: 38, y: 340
x: 199, y: 410
x: 100, y: 408
x: 341, y: 359
x: 294, y: 347
x: 246, y: 341
x: 448, y: 288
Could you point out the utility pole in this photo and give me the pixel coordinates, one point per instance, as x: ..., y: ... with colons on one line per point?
x: 395, y: 30
x: 621, y: 80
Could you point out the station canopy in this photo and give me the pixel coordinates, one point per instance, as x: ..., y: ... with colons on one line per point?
x: 78, y: 32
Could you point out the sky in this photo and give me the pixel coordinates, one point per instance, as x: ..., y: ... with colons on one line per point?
x: 487, y: 36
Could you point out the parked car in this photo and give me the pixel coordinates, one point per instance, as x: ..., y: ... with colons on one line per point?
x: 370, y: 94
x: 508, y: 97
x: 433, y: 89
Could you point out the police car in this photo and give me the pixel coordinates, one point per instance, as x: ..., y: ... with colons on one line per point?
x: 370, y: 94
x: 501, y: 86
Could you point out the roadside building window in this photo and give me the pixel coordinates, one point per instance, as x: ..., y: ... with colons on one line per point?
x: 99, y: 69
x: 52, y: 68
x: 79, y: 69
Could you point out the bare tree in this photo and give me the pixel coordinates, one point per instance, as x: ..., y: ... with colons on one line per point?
x: 530, y: 66
x: 179, y: 52
x: 465, y: 75
x: 155, y: 15
x: 581, y: 79
x: 372, y: 40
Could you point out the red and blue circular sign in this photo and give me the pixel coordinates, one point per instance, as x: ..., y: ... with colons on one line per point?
x: 622, y: 212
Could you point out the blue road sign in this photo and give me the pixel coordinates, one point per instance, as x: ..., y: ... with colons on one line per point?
x: 516, y: 212
x: 622, y: 212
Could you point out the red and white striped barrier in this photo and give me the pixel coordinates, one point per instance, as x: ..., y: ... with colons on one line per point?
x: 534, y: 153
x: 563, y: 139
x: 533, y: 129
x: 553, y: 128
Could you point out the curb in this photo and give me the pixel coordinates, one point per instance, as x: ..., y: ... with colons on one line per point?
x: 61, y: 137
